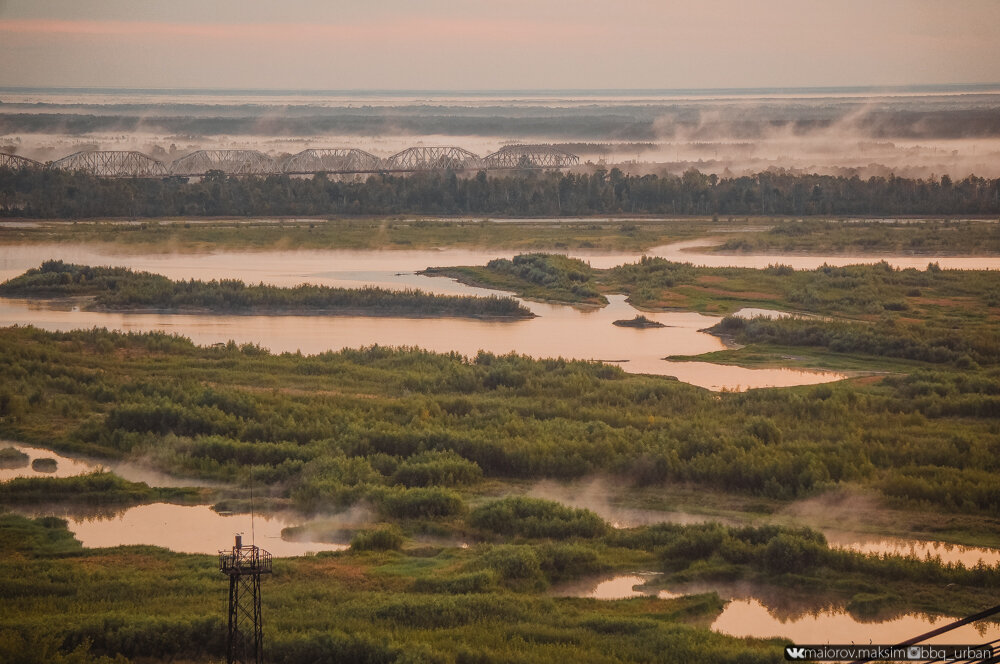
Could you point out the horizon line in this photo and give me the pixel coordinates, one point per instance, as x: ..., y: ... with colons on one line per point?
x: 646, y: 90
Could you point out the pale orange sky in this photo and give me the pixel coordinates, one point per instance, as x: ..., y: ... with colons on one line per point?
x: 503, y: 44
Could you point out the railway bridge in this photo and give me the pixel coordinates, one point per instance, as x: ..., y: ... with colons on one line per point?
x: 335, y: 161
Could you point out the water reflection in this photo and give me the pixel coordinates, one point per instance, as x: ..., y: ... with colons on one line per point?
x: 749, y: 617
x: 898, y: 546
x: 692, y: 251
x: 614, y: 587
x: 182, y: 528
x: 772, y: 613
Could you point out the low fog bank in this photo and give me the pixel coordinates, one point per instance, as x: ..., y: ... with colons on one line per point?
x: 916, y: 137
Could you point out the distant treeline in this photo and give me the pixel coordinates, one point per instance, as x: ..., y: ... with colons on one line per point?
x: 628, y: 122
x: 58, y: 194
x: 122, y: 289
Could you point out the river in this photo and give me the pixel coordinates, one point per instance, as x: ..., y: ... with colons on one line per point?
x: 558, y: 331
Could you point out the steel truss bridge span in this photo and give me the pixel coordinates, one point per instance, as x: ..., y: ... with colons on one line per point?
x: 335, y: 161
x: 530, y: 156
x: 433, y: 159
x: 230, y: 162
x: 332, y: 160
x: 112, y: 164
x: 17, y: 162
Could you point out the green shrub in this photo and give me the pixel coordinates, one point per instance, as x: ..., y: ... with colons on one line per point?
x: 515, y: 565
x: 383, y: 538
x: 428, y: 503
x: 534, y: 517
x: 437, y: 469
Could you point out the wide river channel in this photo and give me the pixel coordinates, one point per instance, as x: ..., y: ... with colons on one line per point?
x: 558, y: 331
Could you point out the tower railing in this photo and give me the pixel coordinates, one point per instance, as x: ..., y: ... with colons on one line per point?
x: 245, y: 560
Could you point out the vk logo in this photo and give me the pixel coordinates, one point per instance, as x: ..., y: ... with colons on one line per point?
x: 795, y: 653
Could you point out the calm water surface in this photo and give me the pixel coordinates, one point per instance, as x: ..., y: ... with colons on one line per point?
x: 183, y: 528
x: 748, y: 614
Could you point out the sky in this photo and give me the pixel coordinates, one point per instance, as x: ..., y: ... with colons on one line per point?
x: 497, y: 45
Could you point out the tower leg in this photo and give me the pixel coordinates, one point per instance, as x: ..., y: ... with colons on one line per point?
x: 245, y: 641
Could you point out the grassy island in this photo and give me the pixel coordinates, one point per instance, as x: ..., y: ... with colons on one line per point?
x: 11, y: 457
x: 95, y: 488
x: 122, y: 289
x: 905, y: 237
x: 549, y: 277
x: 639, y: 321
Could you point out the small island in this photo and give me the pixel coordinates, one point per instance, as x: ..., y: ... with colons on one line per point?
x: 539, y: 276
x: 639, y: 321
x: 44, y: 465
x: 118, y: 289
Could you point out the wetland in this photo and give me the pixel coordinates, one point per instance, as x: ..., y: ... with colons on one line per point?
x: 719, y: 523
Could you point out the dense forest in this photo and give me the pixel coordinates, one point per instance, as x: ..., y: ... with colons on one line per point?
x: 122, y: 289
x: 602, y: 120
x: 59, y: 194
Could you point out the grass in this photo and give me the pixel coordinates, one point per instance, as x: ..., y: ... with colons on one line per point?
x: 759, y: 355
x: 483, y: 603
x: 907, y: 237
x: 161, y: 236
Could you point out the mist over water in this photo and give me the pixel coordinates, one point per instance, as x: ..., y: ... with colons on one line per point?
x: 909, y: 132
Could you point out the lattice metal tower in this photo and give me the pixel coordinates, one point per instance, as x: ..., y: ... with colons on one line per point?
x: 244, y: 565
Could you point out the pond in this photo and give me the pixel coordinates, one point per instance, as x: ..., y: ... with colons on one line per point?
x: 182, y: 528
